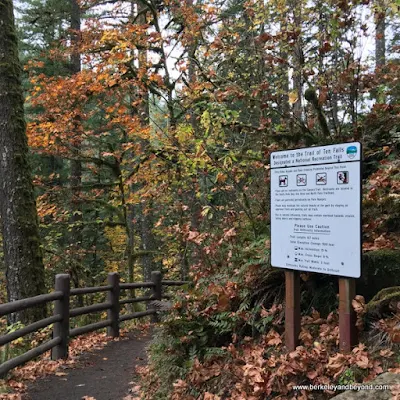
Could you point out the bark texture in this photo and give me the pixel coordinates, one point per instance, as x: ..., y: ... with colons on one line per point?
x: 380, y: 43
x: 380, y: 38
x: 22, y: 251
x: 76, y: 238
x: 298, y: 60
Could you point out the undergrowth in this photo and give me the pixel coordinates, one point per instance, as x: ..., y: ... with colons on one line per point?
x: 224, y: 338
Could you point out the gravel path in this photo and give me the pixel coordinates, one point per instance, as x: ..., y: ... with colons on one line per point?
x: 105, y: 374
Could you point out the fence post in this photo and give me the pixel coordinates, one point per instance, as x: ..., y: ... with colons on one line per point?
x: 156, y: 278
x: 113, y: 298
x: 61, y: 307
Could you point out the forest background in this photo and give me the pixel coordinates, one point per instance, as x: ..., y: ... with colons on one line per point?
x: 150, y: 125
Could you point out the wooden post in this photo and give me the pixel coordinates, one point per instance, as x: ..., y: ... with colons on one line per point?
x: 61, y: 328
x: 113, y: 298
x: 347, y: 315
x: 292, y: 309
x: 156, y: 278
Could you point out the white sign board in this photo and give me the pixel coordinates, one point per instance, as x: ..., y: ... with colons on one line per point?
x: 316, y: 209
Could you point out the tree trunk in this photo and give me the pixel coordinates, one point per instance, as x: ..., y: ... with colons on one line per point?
x: 380, y: 38
x: 380, y: 43
x: 284, y: 71
x: 298, y: 60
x: 148, y: 242
x: 22, y: 252
x: 129, y: 220
x: 192, y: 256
x: 76, y: 165
x: 335, y: 97
x: 147, y: 238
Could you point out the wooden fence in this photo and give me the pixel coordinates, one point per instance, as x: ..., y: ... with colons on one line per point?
x: 62, y: 314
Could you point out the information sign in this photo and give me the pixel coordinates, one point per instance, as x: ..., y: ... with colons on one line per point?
x: 316, y: 209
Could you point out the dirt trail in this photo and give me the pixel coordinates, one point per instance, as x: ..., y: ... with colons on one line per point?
x: 105, y: 374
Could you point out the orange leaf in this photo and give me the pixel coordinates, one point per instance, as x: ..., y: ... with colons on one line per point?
x: 358, y: 304
x: 273, y: 338
x: 363, y: 362
x: 386, y: 353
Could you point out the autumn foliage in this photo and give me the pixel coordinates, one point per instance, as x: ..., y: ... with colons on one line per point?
x: 253, y: 368
x: 155, y: 155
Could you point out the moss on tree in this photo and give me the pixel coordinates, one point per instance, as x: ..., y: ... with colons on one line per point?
x: 22, y: 251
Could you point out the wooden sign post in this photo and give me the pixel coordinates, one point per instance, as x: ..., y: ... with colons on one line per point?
x: 292, y: 309
x: 347, y: 316
x: 316, y: 226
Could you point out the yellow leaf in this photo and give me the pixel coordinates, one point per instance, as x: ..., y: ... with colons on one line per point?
x: 221, y: 178
x: 293, y: 97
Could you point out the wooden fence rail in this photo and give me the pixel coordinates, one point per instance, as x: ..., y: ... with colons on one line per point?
x: 62, y: 314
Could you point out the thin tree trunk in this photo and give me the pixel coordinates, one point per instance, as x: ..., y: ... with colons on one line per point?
x: 195, y: 207
x: 21, y: 242
x: 380, y: 37
x: 380, y: 41
x: 334, y: 99
x: 130, y: 228
x: 298, y: 61
x: 284, y: 72
x: 148, y: 243
x: 76, y: 165
x: 147, y: 238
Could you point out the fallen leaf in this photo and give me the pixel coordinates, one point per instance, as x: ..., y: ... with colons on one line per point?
x: 363, y: 362
x: 386, y: 353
